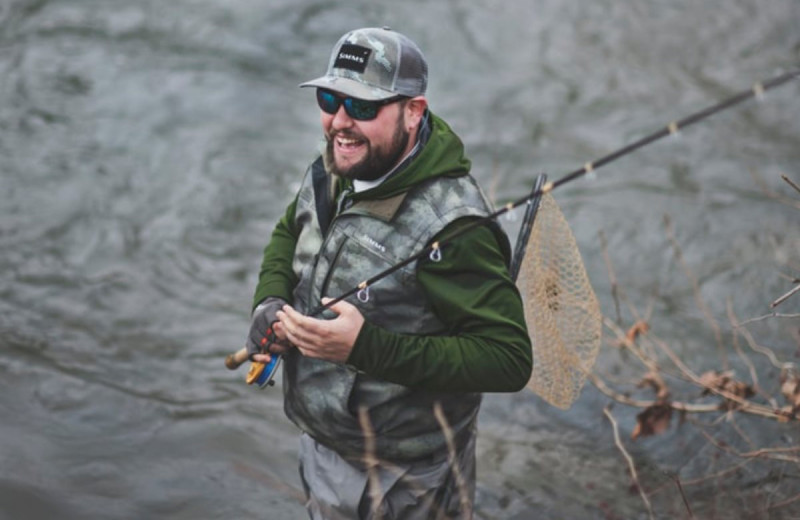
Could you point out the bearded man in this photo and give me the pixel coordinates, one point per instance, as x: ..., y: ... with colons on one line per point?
x: 386, y: 386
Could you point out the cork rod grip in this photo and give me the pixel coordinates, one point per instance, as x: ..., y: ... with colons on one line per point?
x: 235, y: 360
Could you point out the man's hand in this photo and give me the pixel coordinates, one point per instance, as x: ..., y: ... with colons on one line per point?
x: 331, y: 340
x: 263, y: 336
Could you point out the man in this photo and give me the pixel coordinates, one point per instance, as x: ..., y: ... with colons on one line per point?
x: 386, y: 376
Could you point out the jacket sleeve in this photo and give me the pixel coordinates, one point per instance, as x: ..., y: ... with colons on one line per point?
x: 276, y: 277
x: 486, y: 347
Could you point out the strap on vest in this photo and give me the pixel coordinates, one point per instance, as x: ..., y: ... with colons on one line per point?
x: 320, y: 181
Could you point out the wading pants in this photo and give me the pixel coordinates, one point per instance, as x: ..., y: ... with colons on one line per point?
x: 429, y: 489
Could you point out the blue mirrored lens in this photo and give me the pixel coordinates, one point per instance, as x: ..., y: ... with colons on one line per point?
x: 328, y: 101
x: 359, y: 109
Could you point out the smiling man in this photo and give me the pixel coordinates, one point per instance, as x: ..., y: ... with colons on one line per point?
x: 378, y: 375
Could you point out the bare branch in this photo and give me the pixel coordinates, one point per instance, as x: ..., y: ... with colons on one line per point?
x: 466, y: 505
x: 718, y: 474
x: 785, y: 502
x: 629, y: 460
x: 783, y: 199
x: 705, y: 478
x: 371, y: 462
x: 790, y: 182
x: 738, y: 429
x: 762, y: 349
x: 746, y: 360
x: 751, y: 367
x: 744, y: 404
x: 696, y: 290
x: 785, y: 297
x: 683, y: 496
x: 775, y: 489
x: 766, y: 453
x: 766, y: 317
x: 637, y: 403
x: 612, y: 277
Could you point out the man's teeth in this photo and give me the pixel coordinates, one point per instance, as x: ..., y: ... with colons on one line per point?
x: 344, y: 141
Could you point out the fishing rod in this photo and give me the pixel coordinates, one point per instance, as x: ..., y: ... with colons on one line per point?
x: 433, y: 251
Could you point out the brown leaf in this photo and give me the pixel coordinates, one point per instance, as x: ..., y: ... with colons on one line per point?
x: 724, y: 382
x: 739, y: 389
x: 652, y: 420
x: 638, y: 328
x: 784, y: 414
x: 790, y: 388
x: 654, y: 381
x: 714, y: 380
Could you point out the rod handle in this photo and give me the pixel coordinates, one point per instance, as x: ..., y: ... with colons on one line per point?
x: 235, y: 360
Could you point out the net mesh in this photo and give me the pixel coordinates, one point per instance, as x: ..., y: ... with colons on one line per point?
x: 561, y: 309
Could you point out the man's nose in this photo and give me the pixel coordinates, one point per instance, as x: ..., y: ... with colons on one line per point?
x: 341, y: 119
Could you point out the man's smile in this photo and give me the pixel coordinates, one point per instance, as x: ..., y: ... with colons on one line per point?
x: 348, y: 145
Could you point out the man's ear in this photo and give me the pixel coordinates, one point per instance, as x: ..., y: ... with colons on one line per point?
x: 415, y: 109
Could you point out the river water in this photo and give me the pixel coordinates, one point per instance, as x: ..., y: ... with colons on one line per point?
x: 147, y: 148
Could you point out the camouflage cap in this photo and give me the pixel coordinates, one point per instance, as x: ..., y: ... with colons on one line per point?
x: 373, y: 64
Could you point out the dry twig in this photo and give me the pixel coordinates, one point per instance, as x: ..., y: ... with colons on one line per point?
x: 768, y: 353
x: 790, y: 182
x: 766, y: 317
x: 785, y: 297
x: 466, y: 504
x: 746, y: 359
x: 701, y: 304
x: 763, y: 453
x: 744, y: 405
x: 371, y: 462
x: 784, y: 503
x: 629, y: 460
x: 783, y: 199
x: 612, y: 277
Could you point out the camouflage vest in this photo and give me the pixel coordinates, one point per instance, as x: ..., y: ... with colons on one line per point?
x: 324, y: 398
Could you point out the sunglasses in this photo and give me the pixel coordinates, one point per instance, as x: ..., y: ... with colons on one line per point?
x: 358, y: 109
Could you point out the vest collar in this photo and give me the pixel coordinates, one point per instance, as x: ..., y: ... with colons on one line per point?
x: 383, y: 209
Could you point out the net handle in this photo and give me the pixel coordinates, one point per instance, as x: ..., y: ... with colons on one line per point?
x: 527, y: 225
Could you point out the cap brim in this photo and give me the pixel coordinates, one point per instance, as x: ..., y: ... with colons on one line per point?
x: 350, y: 87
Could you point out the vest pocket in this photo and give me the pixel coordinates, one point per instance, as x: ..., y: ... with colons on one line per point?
x: 355, y: 262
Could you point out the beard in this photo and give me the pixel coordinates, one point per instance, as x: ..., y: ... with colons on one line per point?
x: 377, y: 162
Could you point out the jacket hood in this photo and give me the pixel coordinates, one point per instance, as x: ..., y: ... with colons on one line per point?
x: 442, y: 156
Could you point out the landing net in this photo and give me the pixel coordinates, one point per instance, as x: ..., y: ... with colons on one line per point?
x: 561, y: 309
